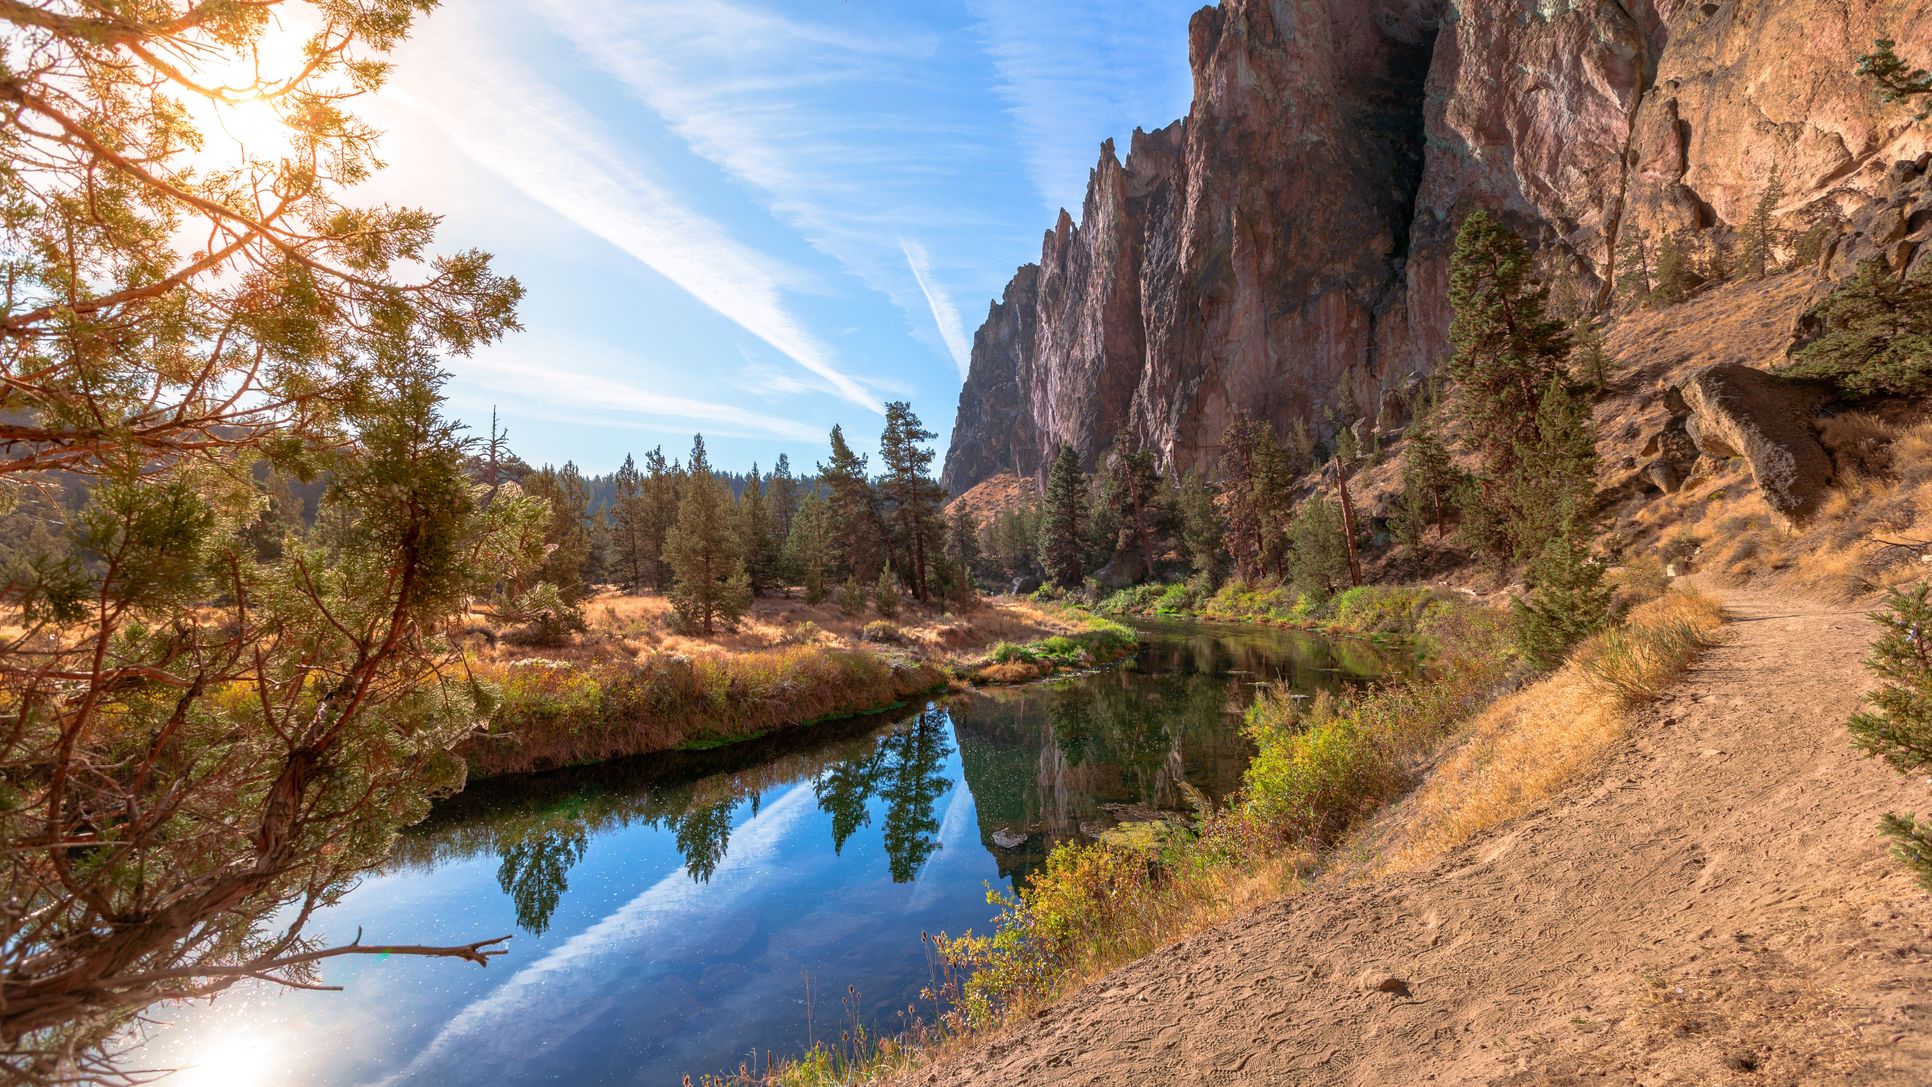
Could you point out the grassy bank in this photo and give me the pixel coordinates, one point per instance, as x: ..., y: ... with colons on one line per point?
x: 1370, y: 610
x: 1326, y: 771
x: 598, y: 701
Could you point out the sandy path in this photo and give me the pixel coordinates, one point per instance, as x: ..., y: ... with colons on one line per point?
x: 1713, y: 907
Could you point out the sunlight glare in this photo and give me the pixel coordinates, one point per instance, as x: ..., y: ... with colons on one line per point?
x: 251, y: 126
x: 232, y: 1060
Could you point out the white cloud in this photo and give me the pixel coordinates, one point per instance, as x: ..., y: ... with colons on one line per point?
x: 1073, y: 75
x: 842, y: 133
x: 539, y: 388
x: 945, y: 315
x: 561, y: 157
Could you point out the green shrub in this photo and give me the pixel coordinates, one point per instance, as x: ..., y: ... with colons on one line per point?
x: 852, y: 597
x: 1384, y: 609
x: 1897, y: 726
x: 1568, y: 601
x: 1009, y: 653
x: 1877, y: 335
x: 883, y: 632
x: 885, y: 595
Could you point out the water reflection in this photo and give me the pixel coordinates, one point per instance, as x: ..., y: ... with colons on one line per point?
x: 671, y: 909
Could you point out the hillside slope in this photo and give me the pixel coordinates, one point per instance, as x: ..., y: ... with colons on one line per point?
x: 1713, y: 907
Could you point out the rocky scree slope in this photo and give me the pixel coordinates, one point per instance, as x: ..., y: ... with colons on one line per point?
x: 1283, y: 249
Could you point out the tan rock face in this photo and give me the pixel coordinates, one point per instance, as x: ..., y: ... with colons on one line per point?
x: 1290, y: 237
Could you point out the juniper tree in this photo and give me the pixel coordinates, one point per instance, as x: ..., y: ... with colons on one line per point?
x: 180, y: 309
x: 1896, y: 80
x: 1876, y: 337
x: 1633, y: 278
x: 1134, y: 489
x: 1897, y: 725
x: 705, y: 553
x: 1568, y: 600
x: 1675, y: 279
x: 1429, y: 482
x: 1508, y: 348
x: 1318, y: 558
x: 1203, y: 530
x: 1063, y: 524
x: 1758, y: 257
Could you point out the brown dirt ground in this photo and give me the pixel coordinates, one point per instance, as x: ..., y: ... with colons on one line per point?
x: 1714, y: 907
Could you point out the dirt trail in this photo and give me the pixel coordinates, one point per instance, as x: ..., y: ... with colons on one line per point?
x: 1714, y: 906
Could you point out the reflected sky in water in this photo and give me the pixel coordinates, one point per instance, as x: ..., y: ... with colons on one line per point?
x: 672, y: 914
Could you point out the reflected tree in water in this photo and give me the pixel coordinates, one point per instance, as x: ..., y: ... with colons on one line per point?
x: 843, y: 791
x: 912, y: 788
x: 535, y: 872
x: 703, y: 836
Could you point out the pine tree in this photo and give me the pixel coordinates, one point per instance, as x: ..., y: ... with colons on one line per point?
x: 1590, y: 356
x: 1675, y: 279
x: 663, y: 493
x: 1634, y: 278
x: 962, y: 540
x: 808, y: 548
x: 705, y: 553
x: 909, y: 496
x: 853, y: 511
x: 1507, y: 348
x: 754, y: 526
x: 1063, y: 529
x: 782, y: 495
x: 1896, y: 80
x: 1133, y: 491
x: 1553, y: 489
x: 1897, y: 723
x: 631, y: 554
x: 568, y: 536
x: 885, y: 594
x: 1568, y: 600
x: 1429, y: 482
x: 1877, y: 335
x: 1318, y: 563
x: 1256, y: 482
x: 1203, y: 530
x: 1758, y: 257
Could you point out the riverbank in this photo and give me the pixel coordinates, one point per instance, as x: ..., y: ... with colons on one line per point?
x: 1324, y: 770
x: 1372, y: 611
x: 630, y: 687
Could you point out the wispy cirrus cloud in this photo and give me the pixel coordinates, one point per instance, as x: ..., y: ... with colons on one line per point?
x: 1072, y: 75
x: 945, y: 315
x: 847, y: 133
x: 560, y: 156
x: 596, y: 391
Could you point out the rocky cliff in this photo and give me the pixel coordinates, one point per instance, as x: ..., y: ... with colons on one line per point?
x: 1284, y: 248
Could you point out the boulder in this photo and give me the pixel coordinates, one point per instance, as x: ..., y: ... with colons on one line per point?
x: 1737, y: 411
x: 1126, y: 570
x: 1024, y: 584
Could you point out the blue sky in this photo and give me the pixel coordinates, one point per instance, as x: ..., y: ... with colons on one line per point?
x: 754, y: 218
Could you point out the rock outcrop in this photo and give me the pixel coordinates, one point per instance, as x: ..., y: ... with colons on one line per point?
x: 1740, y: 412
x: 1284, y: 248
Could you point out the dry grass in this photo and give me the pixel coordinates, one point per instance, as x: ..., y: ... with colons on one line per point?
x: 1528, y: 745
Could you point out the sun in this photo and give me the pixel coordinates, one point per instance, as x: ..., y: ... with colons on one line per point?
x: 243, y: 124
x: 232, y: 1060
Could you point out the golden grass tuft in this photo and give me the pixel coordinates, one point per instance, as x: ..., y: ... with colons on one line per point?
x: 1529, y: 744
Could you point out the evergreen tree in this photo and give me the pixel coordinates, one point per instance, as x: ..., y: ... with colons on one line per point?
x: 782, y: 495
x: 705, y: 553
x: 1634, y: 277
x: 1568, y: 600
x: 853, y: 511
x: 1318, y: 562
x: 1553, y: 488
x: 909, y: 497
x: 1256, y: 482
x: 1429, y: 482
x: 1134, y: 491
x: 1896, y: 80
x: 886, y: 597
x: 1203, y: 530
x: 663, y: 493
x: 1063, y: 529
x: 1675, y: 279
x: 1759, y: 257
x: 1877, y: 335
x: 1897, y: 723
x: 1507, y: 348
x: 754, y: 526
x: 631, y: 555
x: 963, y: 553
x: 1300, y: 448
x: 808, y: 548
x: 1589, y: 357
x: 568, y: 537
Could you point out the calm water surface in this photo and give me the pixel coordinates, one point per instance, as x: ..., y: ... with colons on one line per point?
x: 672, y: 914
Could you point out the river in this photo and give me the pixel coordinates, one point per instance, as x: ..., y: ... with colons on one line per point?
x: 674, y: 914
